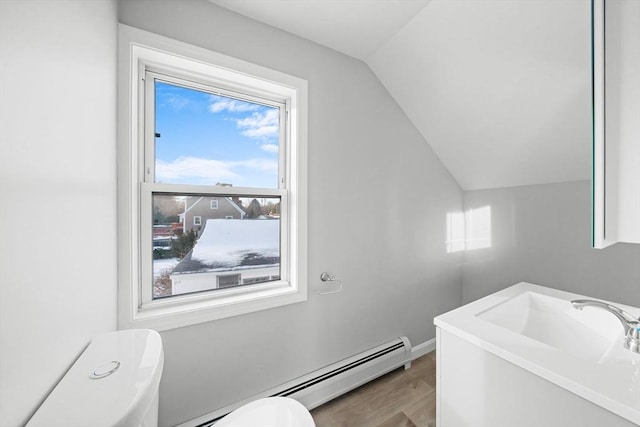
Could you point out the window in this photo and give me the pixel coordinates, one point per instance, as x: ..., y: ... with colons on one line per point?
x: 197, y: 128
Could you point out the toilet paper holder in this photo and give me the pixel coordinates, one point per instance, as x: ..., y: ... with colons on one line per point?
x: 326, y: 277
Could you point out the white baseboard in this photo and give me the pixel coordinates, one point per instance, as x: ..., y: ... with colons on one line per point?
x: 422, y: 349
x: 329, y: 382
x: 416, y: 352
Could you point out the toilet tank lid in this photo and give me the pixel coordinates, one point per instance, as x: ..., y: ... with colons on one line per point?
x: 113, y: 383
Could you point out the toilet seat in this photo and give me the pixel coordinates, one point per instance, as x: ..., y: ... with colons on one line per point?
x: 269, y: 412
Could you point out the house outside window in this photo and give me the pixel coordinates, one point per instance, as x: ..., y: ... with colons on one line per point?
x: 198, y: 205
x: 235, y: 247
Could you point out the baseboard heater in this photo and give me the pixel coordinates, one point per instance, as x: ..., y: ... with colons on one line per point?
x: 325, y: 384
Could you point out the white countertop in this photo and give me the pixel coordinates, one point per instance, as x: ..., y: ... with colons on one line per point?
x: 612, y: 382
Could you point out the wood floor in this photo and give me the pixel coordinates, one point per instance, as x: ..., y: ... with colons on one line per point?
x: 398, y: 399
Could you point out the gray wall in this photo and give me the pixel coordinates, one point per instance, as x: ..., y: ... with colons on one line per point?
x: 378, y: 199
x: 378, y: 202
x: 57, y: 191
x: 541, y: 234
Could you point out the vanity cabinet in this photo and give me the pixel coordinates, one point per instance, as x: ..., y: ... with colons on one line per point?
x: 616, y: 121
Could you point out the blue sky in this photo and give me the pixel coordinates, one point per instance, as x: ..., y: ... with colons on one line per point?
x: 207, y: 139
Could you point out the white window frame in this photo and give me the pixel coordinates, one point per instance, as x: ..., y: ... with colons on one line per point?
x: 197, y: 220
x: 138, y: 51
x: 214, y: 203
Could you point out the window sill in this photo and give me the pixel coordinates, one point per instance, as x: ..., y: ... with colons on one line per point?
x: 186, y: 310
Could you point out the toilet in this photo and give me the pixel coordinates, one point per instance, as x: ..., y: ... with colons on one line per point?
x: 115, y: 383
x: 269, y: 412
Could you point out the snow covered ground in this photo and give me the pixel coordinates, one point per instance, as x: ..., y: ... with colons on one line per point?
x: 160, y: 265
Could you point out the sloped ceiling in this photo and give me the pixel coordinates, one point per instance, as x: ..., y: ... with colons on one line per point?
x: 354, y: 27
x: 500, y: 89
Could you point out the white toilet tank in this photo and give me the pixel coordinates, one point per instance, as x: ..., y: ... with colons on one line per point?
x: 114, y: 383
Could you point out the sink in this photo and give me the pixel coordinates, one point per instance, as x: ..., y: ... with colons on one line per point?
x: 527, y: 343
x: 589, y: 334
x: 533, y: 332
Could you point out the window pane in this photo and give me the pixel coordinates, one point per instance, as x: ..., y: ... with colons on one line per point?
x: 207, y: 139
x: 236, y: 244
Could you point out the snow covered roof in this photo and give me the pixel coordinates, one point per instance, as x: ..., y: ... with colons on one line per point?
x: 228, y: 243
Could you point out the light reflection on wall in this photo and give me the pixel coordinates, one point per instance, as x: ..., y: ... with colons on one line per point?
x: 469, y: 230
x: 455, y: 232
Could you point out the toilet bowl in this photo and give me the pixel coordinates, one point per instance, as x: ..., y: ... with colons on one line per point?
x: 269, y: 412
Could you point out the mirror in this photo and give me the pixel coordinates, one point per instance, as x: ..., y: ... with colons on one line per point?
x: 616, y: 121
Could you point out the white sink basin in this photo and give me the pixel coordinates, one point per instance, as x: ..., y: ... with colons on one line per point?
x: 591, y: 333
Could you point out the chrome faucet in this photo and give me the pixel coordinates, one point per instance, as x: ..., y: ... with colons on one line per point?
x: 630, y: 324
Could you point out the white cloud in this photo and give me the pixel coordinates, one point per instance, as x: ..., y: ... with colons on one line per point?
x: 269, y: 148
x: 199, y: 171
x: 176, y: 102
x: 260, y: 125
x: 219, y: 104
x: 262, y: 165
x: 194, y: 170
